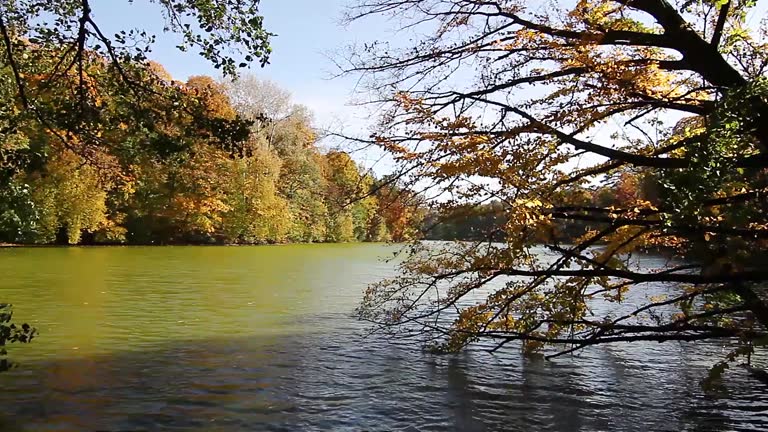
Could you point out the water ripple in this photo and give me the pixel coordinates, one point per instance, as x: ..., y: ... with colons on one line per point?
x: 235, y: 339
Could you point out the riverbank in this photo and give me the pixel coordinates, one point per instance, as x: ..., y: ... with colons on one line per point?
x: 108, y: 245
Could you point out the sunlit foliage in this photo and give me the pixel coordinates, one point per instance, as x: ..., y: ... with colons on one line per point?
x: 197, y: 168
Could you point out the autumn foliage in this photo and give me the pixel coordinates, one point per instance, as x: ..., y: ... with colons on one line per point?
x: 179, y: 164
x: 629, y: 125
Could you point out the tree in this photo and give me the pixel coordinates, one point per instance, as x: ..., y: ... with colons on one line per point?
x: 257, y: 99
x: 69, y: 198
x: 399, y: 210
x: 285, y: 129
x: 59, y: 67
x: 501, y: 99
x: 18, y: 215
x: 350, y: 206
x: 257, y: 213
x: 304, y: 186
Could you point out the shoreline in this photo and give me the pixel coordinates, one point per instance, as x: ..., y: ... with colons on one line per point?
x: 104, y: 245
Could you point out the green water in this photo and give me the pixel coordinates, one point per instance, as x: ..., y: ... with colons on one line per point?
x: 87, y: 301
x: 264, y: 339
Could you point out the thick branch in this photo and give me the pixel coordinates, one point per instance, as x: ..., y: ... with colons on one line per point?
x: 14, y: 65
x: 703, y: 57
x: 721, y: 20
x: 630, y: 158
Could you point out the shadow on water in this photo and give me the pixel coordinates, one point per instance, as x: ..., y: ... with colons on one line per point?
x: 327, y: 382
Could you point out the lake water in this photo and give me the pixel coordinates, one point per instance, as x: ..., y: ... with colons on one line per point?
x: 263, y: 338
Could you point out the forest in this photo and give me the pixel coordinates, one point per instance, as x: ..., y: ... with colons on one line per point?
x: 215, y: 162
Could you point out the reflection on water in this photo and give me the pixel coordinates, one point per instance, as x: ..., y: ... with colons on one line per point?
x: 232, y: 339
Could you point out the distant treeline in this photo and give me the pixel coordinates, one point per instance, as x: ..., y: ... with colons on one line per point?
x: 200, y: 161
x: 487, y: 221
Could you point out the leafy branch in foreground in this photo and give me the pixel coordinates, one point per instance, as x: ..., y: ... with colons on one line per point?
x: 11, y: 333
x: 527, y: 109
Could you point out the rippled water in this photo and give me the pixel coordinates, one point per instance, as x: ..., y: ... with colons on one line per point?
x: 262, y: 338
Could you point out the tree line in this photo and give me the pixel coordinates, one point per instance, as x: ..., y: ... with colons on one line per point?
x: 487, y: 220
x: 223, y: 162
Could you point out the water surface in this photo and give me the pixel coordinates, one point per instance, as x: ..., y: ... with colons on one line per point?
x: 262, y: 338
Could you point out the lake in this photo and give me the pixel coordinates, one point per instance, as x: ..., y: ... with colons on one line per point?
x: 264, y: 338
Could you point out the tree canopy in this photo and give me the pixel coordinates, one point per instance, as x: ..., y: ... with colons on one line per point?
x: 528, y: 107
x: 205, y: 170
x: 65, y: 77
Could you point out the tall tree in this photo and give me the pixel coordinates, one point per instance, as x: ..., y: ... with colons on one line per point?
x: 284, y: 128
x: 350, y: 206
x: 502, y: 99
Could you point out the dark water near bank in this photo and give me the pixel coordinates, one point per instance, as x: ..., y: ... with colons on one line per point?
x: 262, y: 338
